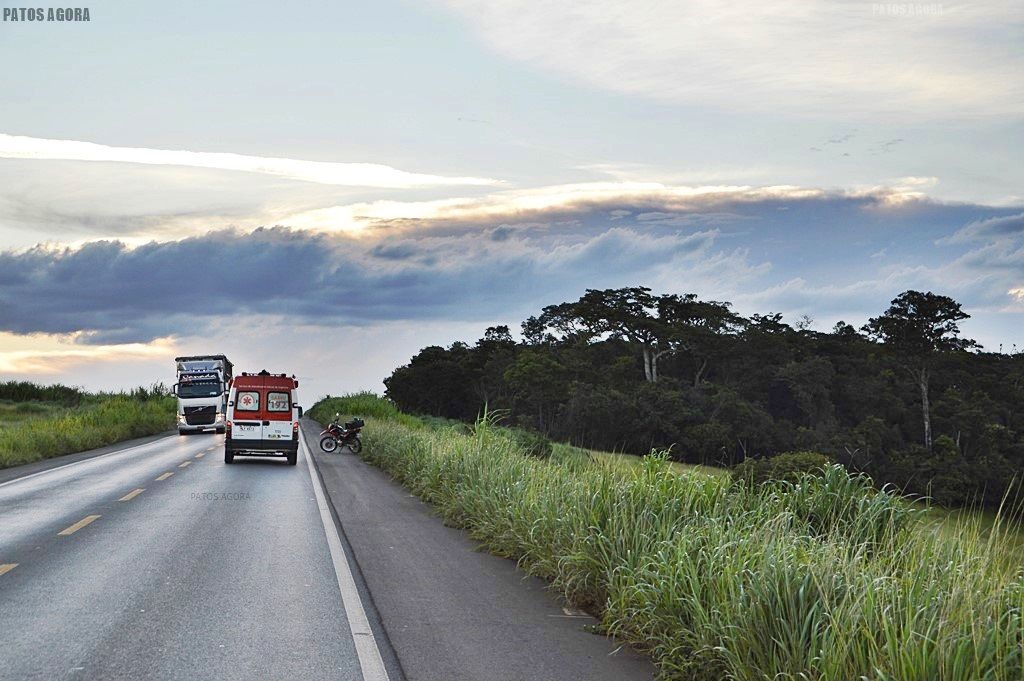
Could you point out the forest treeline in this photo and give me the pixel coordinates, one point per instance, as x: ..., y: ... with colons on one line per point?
x: 905, y: 398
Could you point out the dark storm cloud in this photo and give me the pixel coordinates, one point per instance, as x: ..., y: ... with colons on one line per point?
x: 119, y: 294
x: 777, y: 252
x: 1000, y: 227
x: 399, y: 251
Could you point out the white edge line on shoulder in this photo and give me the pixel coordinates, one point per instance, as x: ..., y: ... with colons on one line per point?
x: 370, y: 662
x: 81, y: 461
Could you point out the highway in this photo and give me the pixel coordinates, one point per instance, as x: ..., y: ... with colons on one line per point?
x: 155, y: 560
x: 160, y: 561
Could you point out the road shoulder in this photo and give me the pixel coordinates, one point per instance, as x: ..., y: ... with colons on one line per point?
x: 452, y: 612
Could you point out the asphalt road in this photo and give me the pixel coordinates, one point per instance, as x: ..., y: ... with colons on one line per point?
x: 159, y: 561
x: 155, y: 560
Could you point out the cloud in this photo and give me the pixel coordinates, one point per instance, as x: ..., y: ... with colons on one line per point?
x: 994, y: 228
x: 947, y: 60
x: 505, y: 255
x: 141, y: 203
x: 652, y: 201
x: 106, y: 292
x: 39, y: 354
x: 344, y: 174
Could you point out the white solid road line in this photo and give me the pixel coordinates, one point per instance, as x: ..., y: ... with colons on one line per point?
x: 370, y: 661
x: 77, y: 463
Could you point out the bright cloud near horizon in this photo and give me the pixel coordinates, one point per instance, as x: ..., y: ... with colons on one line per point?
x: 409, y: 175
x: 345, y: 174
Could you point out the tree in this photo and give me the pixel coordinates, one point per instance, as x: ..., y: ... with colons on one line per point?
x: 487, y: 363
x: 537, y: 381
x: 658, y: 325
x: 918, y: 326
x: 626, y: 313
x: 695, y: 326
x: 719, y: 387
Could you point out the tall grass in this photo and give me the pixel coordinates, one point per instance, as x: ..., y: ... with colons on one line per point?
x: 98, y: 421
x: 822, y: 579
x: 24, y: 391
x: 364, y: 404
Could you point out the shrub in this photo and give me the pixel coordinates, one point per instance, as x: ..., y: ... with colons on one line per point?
x: 943, y: 474
x: 26, y: 391
x: 788, y: 467
x: 31, y: 408
x: 531, y: 442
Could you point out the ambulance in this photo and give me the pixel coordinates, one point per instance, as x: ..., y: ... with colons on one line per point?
x: 262, y: 417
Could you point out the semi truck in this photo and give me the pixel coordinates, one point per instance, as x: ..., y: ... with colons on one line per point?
x: 202, y: 390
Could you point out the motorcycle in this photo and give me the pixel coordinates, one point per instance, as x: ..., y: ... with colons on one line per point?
x: 347, y: 435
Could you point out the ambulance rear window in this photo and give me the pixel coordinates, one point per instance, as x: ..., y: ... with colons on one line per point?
x: 248, y: 401
x: 277, y: 402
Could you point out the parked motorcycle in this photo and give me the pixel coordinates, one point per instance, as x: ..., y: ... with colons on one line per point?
x: 346, y: 435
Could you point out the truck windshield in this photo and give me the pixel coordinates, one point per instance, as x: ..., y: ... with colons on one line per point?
x: 187, y: 390
x: 200, y: 365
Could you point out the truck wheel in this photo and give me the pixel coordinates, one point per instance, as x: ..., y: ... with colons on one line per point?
x: 293, y: 457
x: 229, y: 456
x: 220, y: 431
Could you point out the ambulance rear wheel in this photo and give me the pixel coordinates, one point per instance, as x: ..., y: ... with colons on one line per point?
x: 229, y: 456
x: 293, y: 457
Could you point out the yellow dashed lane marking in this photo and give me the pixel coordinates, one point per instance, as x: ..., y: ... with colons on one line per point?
x: 200, y: 455
x: 184, y: 463
x: 7, y: 567
x: 165, y: 476
x: 77, y: 526
x: 131, y: 495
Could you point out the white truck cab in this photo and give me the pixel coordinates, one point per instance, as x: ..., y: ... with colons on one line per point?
x: 201, y: 389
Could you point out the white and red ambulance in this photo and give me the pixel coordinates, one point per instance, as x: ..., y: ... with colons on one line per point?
x: 262, y: 417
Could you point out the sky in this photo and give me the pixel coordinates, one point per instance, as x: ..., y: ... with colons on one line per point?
x: 325, y: 188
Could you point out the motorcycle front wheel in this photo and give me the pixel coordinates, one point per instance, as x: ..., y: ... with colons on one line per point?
x: 355, y: 445
x: 328, y: 444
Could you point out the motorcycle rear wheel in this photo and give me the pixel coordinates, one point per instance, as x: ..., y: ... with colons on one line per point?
x: 355, y: 445
x: 328, y: 444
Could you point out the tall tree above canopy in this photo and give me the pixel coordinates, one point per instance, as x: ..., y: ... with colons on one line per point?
x: 658, y: 325
x: 918, y: 326
x: 626, y: 313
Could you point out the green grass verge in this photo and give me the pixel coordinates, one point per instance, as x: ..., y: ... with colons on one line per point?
x: 364, y: 404
x: 825, y: 579
x: 30, y: 431
x: 1007, y: 524
x: 13, y: 413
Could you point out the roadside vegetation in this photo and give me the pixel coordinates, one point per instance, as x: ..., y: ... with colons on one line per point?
x: 39, y: 422
x: 819, y: 577
x: 904, y: 398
